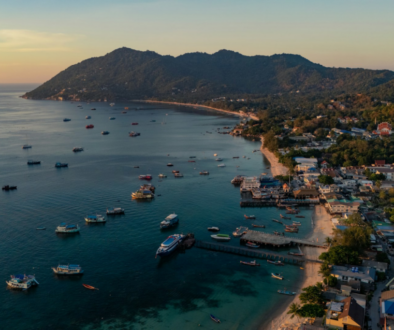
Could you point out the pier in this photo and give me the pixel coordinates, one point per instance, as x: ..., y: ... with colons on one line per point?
x: 275, y: 202
x: 252, y: 253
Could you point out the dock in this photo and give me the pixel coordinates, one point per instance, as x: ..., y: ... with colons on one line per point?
x: 275, y: 202
x: 252, y: 253
x: 262, y: 239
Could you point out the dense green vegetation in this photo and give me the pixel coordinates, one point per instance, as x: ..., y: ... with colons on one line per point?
x: 341, y: 255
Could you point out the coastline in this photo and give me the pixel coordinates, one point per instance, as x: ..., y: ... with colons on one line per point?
x: 276, y: 167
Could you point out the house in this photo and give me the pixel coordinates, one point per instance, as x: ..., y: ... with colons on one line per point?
x: 363, y: 274
x: 324, y: 164
x: 304, y: 164
x: 305, y: 193
x: 347, y: 314
x: 333, y: 188
x: 339, y: 207
x: 380, y: 163
x: 384, y: 129
x: 379, y: 266
x: 387, y: 309
x: 387, y: 172
x: 286, y: 188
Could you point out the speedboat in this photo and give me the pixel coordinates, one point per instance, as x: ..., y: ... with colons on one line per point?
x: 213, y: 229
x: 252, y: 245
x: 89, y: 126
x: 68, y: 270
x: 162, y: 175
x: 111, y: 118
x: 22, y: 282
x: 134, y: 134
x: 145, y: 177
x: 33, y: 162
x: 8, y: 187
x: 104, y: 132
x: 63, y: 228
x: 169, y: 221
x: 178, y: 175
x: 215, y: 319
x: 88, y: 117
x: 221, y: 237
x: 169, y: 245
x: 66, y: 119
x: 115, y: 210
x: 95, y: 218
x: 250, y: 263
x: 26, y: 146
x: 219, y: 159
x: 277, y: 276
x: 221, y: 165
x: 77, y: 149
x: 58, y: 165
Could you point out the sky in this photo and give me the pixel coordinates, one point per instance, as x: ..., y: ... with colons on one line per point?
x: 40, y: 38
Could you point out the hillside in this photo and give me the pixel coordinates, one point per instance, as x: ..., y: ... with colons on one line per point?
x: 126, y: 74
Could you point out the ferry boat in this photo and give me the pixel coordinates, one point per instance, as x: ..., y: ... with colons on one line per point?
x: 26, y: 146
x: 221, y: 237
x: 144, y: 194
x: 277, y: 276
x: 95, y: 218
x: 162, y: 175
x: 240, y: 231
x: 134, y: 134
x: 63, y: 228
x: 221, y: 165
x: 170, y: 221
x: 8, y: 187
x: 178, y: 175
x: 287, y: 293
x: 89, y: 126
x: 134, y: 123
x: 104, y: 133
x: 276, y: 263
x: 88, y: 117
x: 22, y: 282
x: 115, y: 210
x: 213, y: 229
x: 169, y: 245
x: 250, y: 263
x: 112, y: 118
x: 77, y: 149
x: 145, y: 177
x: 68, y: 270
x: 33, y: 162
x: 204, y: 173
x: 252, y: 245
x: 66, y: 119
x: 58, y: 165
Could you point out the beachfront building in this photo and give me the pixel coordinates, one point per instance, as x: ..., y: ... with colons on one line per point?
x: 339, y: 206
x: 365, y: 275
x: 347, y: 314
x: 333, y: 188
x: 305, y: 164
x: 305, y: 193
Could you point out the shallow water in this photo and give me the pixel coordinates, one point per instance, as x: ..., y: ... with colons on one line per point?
x: 136, y: 291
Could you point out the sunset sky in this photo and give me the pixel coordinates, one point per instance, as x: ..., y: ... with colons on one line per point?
x: 42, y: 37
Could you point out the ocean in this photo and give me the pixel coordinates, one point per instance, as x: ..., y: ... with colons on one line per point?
x: 136, y: 290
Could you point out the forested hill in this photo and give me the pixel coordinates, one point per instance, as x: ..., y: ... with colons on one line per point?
x: 126, y: 74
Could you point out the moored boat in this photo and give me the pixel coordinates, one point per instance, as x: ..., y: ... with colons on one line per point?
x: 68, y: 270
x: 89, y: 126
x: 252, y: 245
x: 221, y: 237
x: 287, y: 293
x: 204, y: 173
x: 296, y: 254
x: 169, y: 245
x: 77, y: 149
x: 178, y: 175
x: 33, y: 162
x: 58, y: 165
x: 89, y: 287
x: 8, y: 187
x: 283, y: 217
x: 215, y: 319
x: 115, y: 210
x: 170, y: 221
x: 300, y: 216
x: 221, y: 165
x: 63, y: 228
x: 219, y: 159
x: 250, y: 263
x: 96, y: 218
x: 213, y: 229
x: 277, y: 276
x: 258, y: 226
x: 22, y: 282
x: 174, y: 171
x: 276, y: 263
x: 249, y: 217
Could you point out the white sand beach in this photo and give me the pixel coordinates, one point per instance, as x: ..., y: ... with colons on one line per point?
x: 276, y: 167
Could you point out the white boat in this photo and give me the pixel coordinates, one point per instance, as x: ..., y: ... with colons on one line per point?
x: 112, y: 104
x: 22, y: 282
x: 77, y: 149
x: 63, y: 228
x: 68, y: 270
x: 170, y: 221
x: 213, y: 229
x: 162, y: 175
x: 115, y: 210
x: 169, y: 245
x: 277, y: 276
x: 221, y: 237
x: 26, y: 146
x: 95, y: 218
x: 219, y: 159
x: 221, y: 165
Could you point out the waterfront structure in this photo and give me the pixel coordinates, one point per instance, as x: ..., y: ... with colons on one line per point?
x: 304, y: 164
x: 250, y: 183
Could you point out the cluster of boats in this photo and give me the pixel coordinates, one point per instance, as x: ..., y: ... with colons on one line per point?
x: 146, y: 191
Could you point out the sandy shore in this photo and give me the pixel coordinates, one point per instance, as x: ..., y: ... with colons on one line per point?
x: 322, y: 228
x: 276, y: 167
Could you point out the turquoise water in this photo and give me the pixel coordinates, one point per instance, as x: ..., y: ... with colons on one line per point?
x: 136, y: 291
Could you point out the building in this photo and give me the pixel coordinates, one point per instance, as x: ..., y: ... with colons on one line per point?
x: 250, y: 183
x: 384, y: 129
x: 387, y: 309
x: 379, y: 266
x: 304, y: 193
x: 347, y: 314
x: 365, y: 275
x: 387, y: 172
x: 304, y: 164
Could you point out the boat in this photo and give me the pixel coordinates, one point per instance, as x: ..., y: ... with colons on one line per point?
x: 277, y: 233
x: 175, y: 171
x: 178, y: 175
x: 296, y: 223
x: 124, y: 111
x: 142, y: 194
x: 148, y: 186
x: 204, y: 173
x: 291, y: 230
x: 145, y: 177
x: 299, y: 216
x: 237, y: 180
x: 192, y: 157
x: 221, y: 237
x: 89, y: 287
x: 215, y: 319
x: 104, y: 133
x: 22, y: 282
x: 153, y: 121
x: 41, y: 228
x: 96, y: 218
x: 169, y: 245
x: 297, y: 254
x: 58, y: 165
x: 213, y: 229
x: 93, y: 109
x: 8, y: 187
x: 115, y: 210
x: 134, y: 123
x: 77, y: 149
x: 219, y: 159
x: 126, y: 108
x: 66, y: 119
x: 88, y: 117
x: 170, y: 221
x: 63, y: 228
x: 169, y: 164
x: 287, y: 293
x: 250, y: 263
x: 112, y: 118
x: 252, y: 245
x: 221, y: 165
x: 249, y: 217
x: 26, y: 146
x: 276, y: 263
x: 89, y: 126
x: 283, y: 217
x: 68, y: 270
x: 258, y: 226
x: 274, y: 220
x: 134, y: 134
x: 191, y: 161
x: 162, y: 175
x: 277, y: 276
x: 112, y: 104
x: 235, y: 157
x: 33, y: 162
x: 214, y: 155
x: 240, y: 231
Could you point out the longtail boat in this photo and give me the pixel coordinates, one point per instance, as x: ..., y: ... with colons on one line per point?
x: 258, y: 226
x: 276, y: 263
x: 215, y: 319
x: 251, y: 263
x: 299, y: 216
x: 249, y: 216
x: 89, y: 287
x: 283, y: 217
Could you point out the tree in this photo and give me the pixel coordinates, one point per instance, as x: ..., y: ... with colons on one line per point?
x: 312, y: 310
x: 378, y: 184
x: 326, y: 179
x: 331, y: 281
x: 325, y: 270
x: 354, y: 237
x: 391, y: 192
x: 339, y: 255
x: 312, y: 295
x: 294, y: 310
x: 328, y: 240
x: 355, y: 220
x: 382, y: 194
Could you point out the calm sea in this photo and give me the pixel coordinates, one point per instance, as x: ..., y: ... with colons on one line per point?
x: 136, y: 291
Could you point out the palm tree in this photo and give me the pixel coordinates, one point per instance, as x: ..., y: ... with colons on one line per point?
x: 325, y: 270
x: 294, y: 310
x: 328, y: 240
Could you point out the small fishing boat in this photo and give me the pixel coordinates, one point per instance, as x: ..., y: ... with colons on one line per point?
x: 88, y: 117
x: 136, y: 166
x: 191, y: 161
x: 66, y: 119
x: 249, y: 217
x: 112, y: 118
x: 213, y: 229
x: 89, y: 287
x: 77, y: 149
x: 277, y: 276
x: 283, y: 217
x: 169, y: 164
x: 26, y: 146
x: 221, y: 237
x: 274, y: 220
x: 96, y: 218
x: 8, y: 187
x: 258, y: 226
x: 22, y: 282
x: 215, y: 319
x: 219, y: 159
x: 104, y: 133
x: 134, y: 134
x: 277, y: 233
x: 221, y: 165
x: 235, y: 157
x: 250, y: 263
x: 252, y: 245
x: 297, y: 254
x: 162, y: 175
x: 134, y: 123
x: 41, y: 228
x: 147, y: 177
x: 178, y: 175
x: 287, y: 293
x: 93, y: 109
x: 63, y: 228
x: 68, y: 270
x: 204, y: 173
x: 153, y: 121
x: 276, y: 263
x: 296, y: 223
x: 59, y: 165
x: 299, y: 216
x: 115, y: 210
x: 124, y: 111
x: 291, y: 230
x: 89, y: 126
x: 33, y: 162
x: 175, y: 171
x: 111, y: 104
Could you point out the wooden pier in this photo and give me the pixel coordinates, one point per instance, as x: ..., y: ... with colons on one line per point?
x: 275, y: 202
x: 252, y: 253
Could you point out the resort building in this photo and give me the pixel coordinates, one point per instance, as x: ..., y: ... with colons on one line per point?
x: 341, y: 206
x: 347, y: 314
x: 363, y: 274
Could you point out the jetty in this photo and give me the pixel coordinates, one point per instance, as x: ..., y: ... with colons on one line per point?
x: 264, y: 239
x: 255, y: 253
x: 278, y: 202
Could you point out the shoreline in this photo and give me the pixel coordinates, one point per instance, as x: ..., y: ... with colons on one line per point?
x: 276, y: 168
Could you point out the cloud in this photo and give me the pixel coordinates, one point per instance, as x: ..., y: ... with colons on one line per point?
x: 34, y: 41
